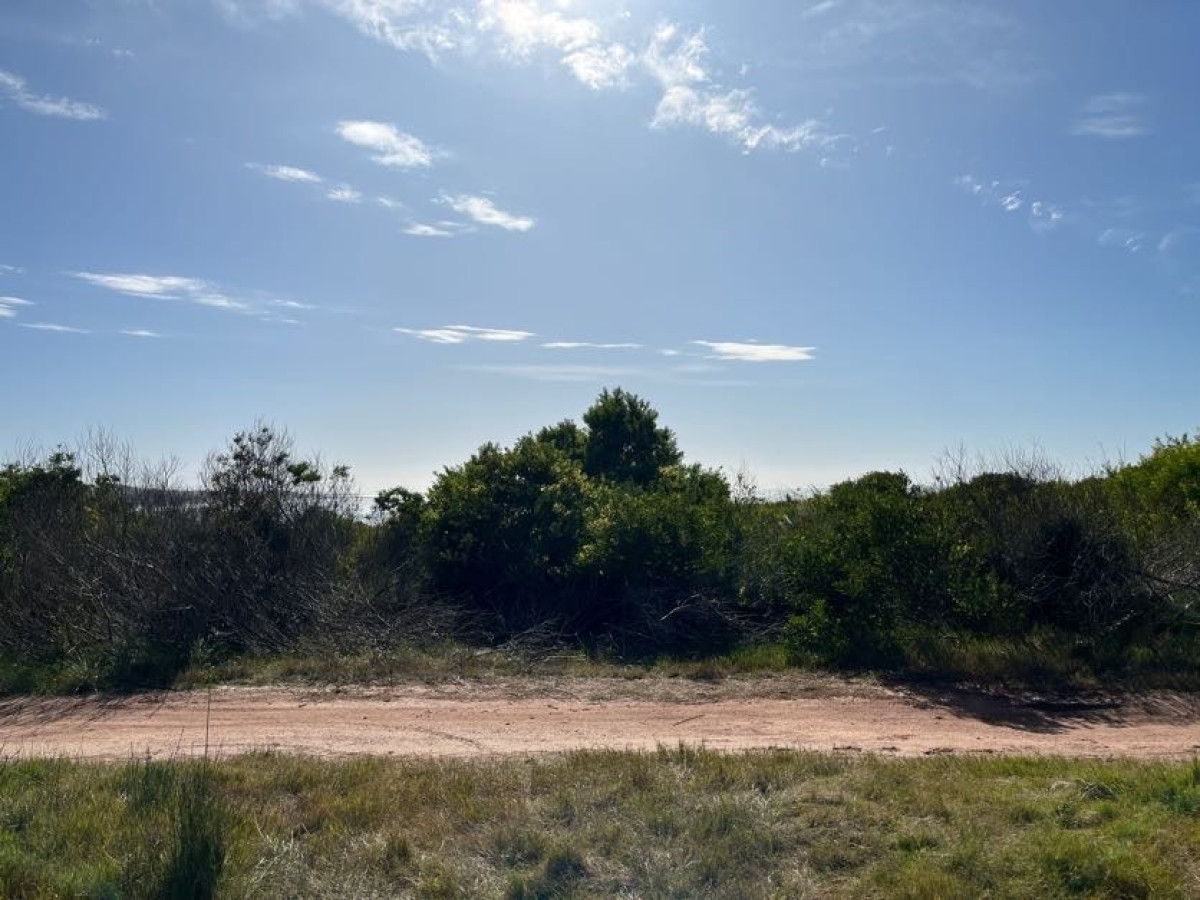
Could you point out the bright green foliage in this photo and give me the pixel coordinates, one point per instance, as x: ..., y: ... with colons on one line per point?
x: 1166, y: 482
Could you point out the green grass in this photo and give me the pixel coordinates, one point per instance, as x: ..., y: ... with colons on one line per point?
x: 676, y: 823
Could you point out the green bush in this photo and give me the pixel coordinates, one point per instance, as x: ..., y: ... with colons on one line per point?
x: 866, y: 561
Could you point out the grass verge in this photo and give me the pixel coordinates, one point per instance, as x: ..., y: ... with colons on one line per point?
x: 1043, y: 661
x: 676, y: 823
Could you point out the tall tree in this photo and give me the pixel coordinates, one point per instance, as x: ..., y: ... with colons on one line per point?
x: 625, y: 443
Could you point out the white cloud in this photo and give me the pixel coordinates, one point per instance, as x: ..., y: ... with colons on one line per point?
x: 601, y: 67
x: 1045, y: 216
x: 50, y: 326
x: 674, y: 58
x: 678, y: 62
x: 165, y: 287
x: 1125, y: 238
x: 141, y: 333
x: 9, y: 305
x: 1112, y: 116
x: 522, y: 26
x: 292, y: 304
x: 392, y: 146
x: 819, y: 9
x: 11, y: 270
x: 419, y: 229
x: 755, y: 352
x: 969, y: 184
x: 343, y: 193
x: 389, y: 203
x: 485, y: 212
x: 735, y: 114
x: 286, y: 173
x: 15, y: 89
x: 411, y: 25
x: 462, y: 334
x: 588, y: 345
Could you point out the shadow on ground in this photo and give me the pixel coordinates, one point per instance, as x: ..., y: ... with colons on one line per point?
x: 1048, y: 713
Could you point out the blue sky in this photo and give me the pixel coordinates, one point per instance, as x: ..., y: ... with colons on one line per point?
x: 820, y: 237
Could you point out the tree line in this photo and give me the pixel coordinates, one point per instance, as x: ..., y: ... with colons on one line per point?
x: 596, y: 533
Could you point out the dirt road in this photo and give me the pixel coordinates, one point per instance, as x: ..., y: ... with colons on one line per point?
x: 524, y: 716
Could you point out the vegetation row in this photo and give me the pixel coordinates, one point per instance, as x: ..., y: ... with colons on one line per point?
x: 600, y: 535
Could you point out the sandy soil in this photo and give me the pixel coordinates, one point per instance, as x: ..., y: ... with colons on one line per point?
x: 532, y: 716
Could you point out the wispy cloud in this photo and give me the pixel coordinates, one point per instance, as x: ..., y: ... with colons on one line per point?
x: 563, y: 373
x: 734, y: 114
x: 1044, y: 216
x: 391, y: 146
x: 462, y: 334
x: 752, y: 351
x: 1179, y: 239
x: 250, y: 12
x: 485, y: 212
x: 692, y: 376
x: 915, y: 43
x: 343, y: 193
x: 50, y: 326
x: 820, y: 9
x: 420, y: 229
x: 9, y: 306
x: 588, y: 345
x: 1113, y: 117
x: 286, y: 173
x: 1010, y: 198
x: 141, y: 333
x: 11, y: 270
x: 598, y: 52
x: 165, y: 287
x: 678, y: 61
x: 1124, y: 238
x: 15, y: 88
